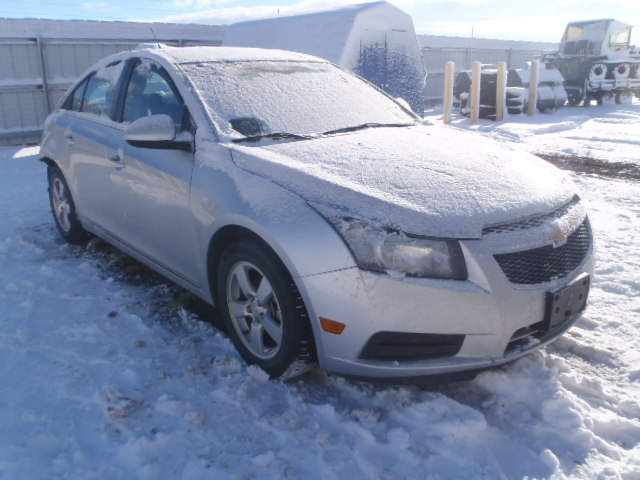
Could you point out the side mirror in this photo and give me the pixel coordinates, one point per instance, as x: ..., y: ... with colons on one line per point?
x: 155, y: 131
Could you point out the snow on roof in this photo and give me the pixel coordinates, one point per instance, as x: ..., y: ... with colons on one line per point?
x: 180, y: 55
x: 226, y: 54
x: 332, y: 34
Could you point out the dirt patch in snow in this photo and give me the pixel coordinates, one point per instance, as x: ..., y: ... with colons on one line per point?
x: 594, y: 167
x: 166, y: 296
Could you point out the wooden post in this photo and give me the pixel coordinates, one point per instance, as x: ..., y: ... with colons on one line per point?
x: 475, y: 92
x: 501, y: 84
x: 448, y: 91
x: 533, y: 86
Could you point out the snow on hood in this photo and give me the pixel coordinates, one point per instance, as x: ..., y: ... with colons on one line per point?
x: 433, y: 181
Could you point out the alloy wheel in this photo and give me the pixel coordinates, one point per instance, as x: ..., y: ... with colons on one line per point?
x: 61, y: 204
x: 254, y: 310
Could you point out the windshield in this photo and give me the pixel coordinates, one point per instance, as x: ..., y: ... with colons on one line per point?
x: 620, y: 38
x: 302, y: 98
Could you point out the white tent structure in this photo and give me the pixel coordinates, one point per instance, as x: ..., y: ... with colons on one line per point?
x: 375, y: 40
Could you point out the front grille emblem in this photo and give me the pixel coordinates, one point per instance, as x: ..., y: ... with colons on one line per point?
x: 559, y: 236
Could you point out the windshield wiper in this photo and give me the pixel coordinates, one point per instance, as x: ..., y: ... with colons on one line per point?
x: 275, y: 135
x: 364, y: 126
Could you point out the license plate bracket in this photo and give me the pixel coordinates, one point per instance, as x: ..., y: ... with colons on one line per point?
x: 563, y: 304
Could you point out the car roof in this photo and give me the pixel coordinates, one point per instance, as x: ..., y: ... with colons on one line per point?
x: 228, y: 54
x: 169, y: 56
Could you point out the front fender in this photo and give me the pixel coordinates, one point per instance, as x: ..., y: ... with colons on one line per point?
x: 224, y: 194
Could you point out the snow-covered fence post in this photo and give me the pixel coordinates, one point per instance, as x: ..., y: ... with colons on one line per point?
x: 501, y: 83
x: 448, y: 91
x: 475, y: 92
x: 533, y: 86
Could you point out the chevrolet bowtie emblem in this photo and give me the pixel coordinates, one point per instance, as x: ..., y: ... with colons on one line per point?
x: 559, y: 236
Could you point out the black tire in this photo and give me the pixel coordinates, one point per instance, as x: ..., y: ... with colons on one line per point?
x: 624, y: 98
x: 574, y: 95
x: 263, y: 312
x: 63, y: 208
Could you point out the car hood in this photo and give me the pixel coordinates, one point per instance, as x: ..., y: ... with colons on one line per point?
x: 426, y: 180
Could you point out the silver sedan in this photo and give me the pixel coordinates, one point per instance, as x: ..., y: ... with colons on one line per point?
x: 323, y: 218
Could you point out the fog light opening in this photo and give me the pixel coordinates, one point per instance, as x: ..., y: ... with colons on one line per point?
x: 332, y: 326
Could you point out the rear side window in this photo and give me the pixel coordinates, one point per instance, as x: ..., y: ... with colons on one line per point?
x: 74, y: 102
x: 101, y: 91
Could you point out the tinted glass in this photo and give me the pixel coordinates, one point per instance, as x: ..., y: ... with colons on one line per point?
x: 151, y: 92
x: 101, y: 90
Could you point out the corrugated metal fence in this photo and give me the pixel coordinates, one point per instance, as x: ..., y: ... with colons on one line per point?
x: 438, y: 50
x: 35, y: 71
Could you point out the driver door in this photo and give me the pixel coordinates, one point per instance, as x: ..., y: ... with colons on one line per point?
x: 152, y: 186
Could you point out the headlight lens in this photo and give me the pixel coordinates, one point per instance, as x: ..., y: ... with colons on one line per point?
x: 390, y: 251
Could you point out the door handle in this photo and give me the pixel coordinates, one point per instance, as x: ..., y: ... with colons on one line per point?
x: 117, y: 162
x: 69, y: 137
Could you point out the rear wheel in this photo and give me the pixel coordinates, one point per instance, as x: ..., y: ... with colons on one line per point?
x: 63, y: 208
x: 263, y: 312
x: 624, y: 98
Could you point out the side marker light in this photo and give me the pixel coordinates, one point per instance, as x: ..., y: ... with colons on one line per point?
x: 332, y: 326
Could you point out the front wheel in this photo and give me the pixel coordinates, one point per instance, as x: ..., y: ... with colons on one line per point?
x: 263, y: 312
x: 63, y: 208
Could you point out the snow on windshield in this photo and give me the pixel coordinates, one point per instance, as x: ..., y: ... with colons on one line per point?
x: 255, y: 98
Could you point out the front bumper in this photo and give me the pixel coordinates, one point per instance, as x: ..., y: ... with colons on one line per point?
x: 490, y: 314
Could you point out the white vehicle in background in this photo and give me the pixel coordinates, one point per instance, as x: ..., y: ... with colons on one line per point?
x: 597, y: 61
x: 320, y: 216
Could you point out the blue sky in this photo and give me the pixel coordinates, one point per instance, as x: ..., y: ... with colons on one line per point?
x: 542, y: 20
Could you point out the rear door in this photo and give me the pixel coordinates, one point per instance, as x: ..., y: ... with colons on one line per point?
x: 92, y: 140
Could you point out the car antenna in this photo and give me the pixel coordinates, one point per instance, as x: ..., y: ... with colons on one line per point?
x: 154, y: 37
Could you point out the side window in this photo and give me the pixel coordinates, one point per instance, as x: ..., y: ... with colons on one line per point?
x: 151, y: 92
x: 74, y: 101
x: 101, y: 91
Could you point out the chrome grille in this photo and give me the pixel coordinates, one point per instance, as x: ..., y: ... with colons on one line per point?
x: 533, y: 221
x: 546, y: 263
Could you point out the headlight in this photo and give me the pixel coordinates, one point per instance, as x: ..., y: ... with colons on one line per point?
x: 384, y: 250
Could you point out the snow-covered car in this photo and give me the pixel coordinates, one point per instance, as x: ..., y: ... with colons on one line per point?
x: 323, y: 219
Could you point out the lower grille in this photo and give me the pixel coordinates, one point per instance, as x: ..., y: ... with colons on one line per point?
x: 406, y: 347
x: 546, y: 263
x: 524, y: 335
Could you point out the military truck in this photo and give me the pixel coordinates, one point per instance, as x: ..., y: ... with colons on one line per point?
x: 597, y: 62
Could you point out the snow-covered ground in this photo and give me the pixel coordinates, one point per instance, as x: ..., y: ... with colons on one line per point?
x: 608, y: 132
x: 108, y: 372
